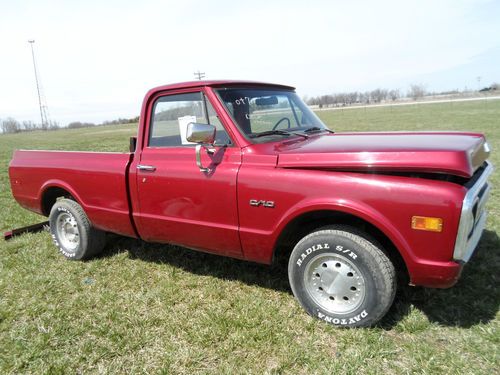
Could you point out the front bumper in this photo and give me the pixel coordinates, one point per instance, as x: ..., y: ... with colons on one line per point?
x: 472, y: 223
x: 473, y: 217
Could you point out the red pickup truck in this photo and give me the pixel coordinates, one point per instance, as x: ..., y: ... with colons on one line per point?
x: 247, y: 170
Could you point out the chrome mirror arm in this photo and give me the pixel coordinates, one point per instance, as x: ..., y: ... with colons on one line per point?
x: 210, y: 150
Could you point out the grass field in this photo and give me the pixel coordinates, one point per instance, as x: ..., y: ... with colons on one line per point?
x: 146, y: 308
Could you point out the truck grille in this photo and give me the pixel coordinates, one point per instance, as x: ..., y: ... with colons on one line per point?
x: 473, y: 216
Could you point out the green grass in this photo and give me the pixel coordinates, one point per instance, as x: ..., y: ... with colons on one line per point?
x: 153, y: 308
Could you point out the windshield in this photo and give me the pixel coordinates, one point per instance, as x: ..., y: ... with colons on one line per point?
x: 264, y: 114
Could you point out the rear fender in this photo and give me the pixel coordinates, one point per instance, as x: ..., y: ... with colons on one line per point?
x: 61, y: 185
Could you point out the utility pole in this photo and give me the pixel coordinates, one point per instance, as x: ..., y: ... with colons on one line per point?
x: 199, y: 75
x: 41, y: 100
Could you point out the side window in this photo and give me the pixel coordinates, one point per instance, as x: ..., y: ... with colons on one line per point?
x: 172, y: 114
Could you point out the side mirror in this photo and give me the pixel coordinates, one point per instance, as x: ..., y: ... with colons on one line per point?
x: 133, y: 144
x: 204, y: 135
x: 200, y: 133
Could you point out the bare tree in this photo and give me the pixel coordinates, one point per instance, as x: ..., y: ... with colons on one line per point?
x: 416, y: 91
x: 378, y: 95
x: 28, y: 126
x: 351, y: 97
x: 339, y: 99
x: 10, y: 125
x: 364, y: 97
x: 394, y: 95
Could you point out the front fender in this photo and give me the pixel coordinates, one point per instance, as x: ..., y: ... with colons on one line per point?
x: 357, y: 209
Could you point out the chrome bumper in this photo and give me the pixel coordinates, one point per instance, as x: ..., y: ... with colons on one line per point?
x: 473, y: 217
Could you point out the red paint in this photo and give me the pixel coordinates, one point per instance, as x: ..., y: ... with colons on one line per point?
x: 178, y: 204
x: 96, y: 180
x: 402, y: 152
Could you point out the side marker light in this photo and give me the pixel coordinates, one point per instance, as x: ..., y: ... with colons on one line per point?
x: 432, y: 224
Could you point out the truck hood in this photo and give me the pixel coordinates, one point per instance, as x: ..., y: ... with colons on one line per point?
x: 458, y: 154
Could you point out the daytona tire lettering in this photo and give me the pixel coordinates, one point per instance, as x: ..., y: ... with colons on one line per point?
x: 342, y: 277
x: 343, y: 321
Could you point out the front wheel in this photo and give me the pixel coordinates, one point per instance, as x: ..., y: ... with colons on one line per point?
x: 341, y: 277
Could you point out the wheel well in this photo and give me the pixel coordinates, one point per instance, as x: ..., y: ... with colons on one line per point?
x: 306, y: 223
x: 50, y: 197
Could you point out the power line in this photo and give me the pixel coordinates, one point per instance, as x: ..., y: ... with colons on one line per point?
x: 199, y: 75
x: 41, y: 98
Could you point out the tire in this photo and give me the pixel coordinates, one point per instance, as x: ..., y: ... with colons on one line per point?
x: 72, y: 232
x: 341, y: 276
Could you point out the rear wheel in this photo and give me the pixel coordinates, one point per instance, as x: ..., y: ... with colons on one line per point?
x: 72, y: 231
x: 342, y: 277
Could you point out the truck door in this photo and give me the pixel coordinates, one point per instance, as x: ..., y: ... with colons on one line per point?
x: 177, y: 202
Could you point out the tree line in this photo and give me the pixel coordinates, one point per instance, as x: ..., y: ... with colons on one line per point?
x: 379, y: 95
x: 10, y: 125
x: 119, y: 121
x: 415, y: 92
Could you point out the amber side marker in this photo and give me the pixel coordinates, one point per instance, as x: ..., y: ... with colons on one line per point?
x: 431, y: 224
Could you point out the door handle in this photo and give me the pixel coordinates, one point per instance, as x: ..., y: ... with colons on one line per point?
x: 146, y: 168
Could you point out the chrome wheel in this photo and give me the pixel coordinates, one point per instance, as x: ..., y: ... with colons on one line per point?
x: 67, y: 232
x: 334, y: 283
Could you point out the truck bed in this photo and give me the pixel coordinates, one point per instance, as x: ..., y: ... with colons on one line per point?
x: 96, y: 180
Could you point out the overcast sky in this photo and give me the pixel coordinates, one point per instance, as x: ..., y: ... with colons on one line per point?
x: 98, y: 58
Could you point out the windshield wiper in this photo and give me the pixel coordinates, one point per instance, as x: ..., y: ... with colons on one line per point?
x: 317, y: 129
x: 277, y: 132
